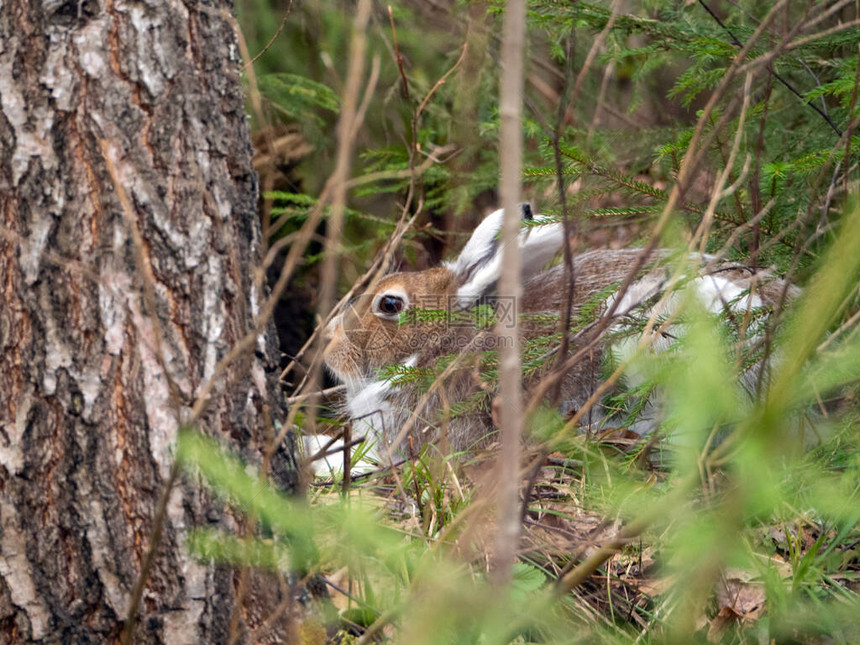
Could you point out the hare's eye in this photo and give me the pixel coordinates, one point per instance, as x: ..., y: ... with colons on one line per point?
x: 390, y: 305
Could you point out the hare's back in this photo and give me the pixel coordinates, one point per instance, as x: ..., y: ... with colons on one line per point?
x: 595, y: 272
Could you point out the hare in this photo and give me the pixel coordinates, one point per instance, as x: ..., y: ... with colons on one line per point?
x: 411, y: 322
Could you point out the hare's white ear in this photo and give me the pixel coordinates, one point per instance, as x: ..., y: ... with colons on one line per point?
x: 479, y: 265
x: 481, y: 247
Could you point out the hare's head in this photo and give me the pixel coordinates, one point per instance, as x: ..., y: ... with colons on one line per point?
x: 377, y: 329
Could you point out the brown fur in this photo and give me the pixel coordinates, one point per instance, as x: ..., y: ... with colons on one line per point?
x: 362, y: 342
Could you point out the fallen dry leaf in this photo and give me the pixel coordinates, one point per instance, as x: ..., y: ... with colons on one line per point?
x: 743, y: 597
x: 721, y: 622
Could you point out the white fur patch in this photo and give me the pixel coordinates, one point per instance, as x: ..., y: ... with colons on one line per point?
x: 636, y: 294
x: 331, y: 464
x: 538, y: 245
x: 480, y: 282
x: 369, y: 399
x: 716, y: 293
x: 481, y: 243
x: 372, y: 416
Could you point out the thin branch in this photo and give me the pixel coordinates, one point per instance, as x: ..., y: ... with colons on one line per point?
x: 337, y: 389
x: 718, y: 193
x: 154, y: 541
x: 800, y: 42
x: 388, y: 175
x: 592, y: 54
x: 846, y: 161
x: 73, y: 266
x: 789, y: 86
x: 440, y: 82
x: 245, y: 344
x: 346, y: 131
x: 510, y: 367
x: 398, y: 57
x: 568, y: 226
x: 384, y: 258
x: 149, y: 299
x: 273, y: 38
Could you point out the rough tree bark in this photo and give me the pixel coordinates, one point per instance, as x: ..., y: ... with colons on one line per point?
x: 105, y: 344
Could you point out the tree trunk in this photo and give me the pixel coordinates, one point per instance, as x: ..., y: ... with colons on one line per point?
x: 107, y: 339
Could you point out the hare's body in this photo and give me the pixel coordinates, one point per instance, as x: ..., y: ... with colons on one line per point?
x: 377, y: 332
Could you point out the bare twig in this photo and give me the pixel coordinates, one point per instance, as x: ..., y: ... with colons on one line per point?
x: 346, y: 137
x: 337, y: 389
x: 145, y: 269
x: 398, y: 57
x: 239, y: 349
x: 568, y: 226
x: 589, y: 59
x: 347, y: 460
x: 257, y: 106
x: 439, y: 84
x: 778, y: 77
x: 846, y: 162
x: 273, y: 38
x: 148, y: 559
x: 73, y: 266
x: 800, y: 42
x: 380, y: 265
x: 383, y: 259
x: 718, y: 193
x: 510, y: 368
